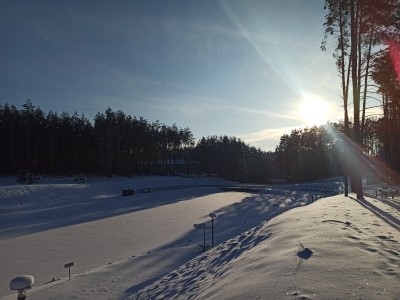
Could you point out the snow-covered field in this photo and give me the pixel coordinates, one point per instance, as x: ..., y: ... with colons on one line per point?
x: 145, y: 246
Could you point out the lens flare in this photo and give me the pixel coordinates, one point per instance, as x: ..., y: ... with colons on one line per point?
x: 394, y: 50
x: 353, y: 158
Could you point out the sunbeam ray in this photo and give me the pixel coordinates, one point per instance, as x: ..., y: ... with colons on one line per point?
x: 354, y: 160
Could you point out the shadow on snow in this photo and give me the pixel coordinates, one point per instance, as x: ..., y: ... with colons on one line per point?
x: 233, y: 220
x: 45, y: 218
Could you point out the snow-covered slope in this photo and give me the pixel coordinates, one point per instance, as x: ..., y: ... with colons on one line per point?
x: 145, y: 246
x: 44, y: 226
x: 332, y: 249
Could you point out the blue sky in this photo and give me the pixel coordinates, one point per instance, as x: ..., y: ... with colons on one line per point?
x: 240, y: 68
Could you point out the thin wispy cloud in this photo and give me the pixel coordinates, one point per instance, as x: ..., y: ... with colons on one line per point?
x: 185, y: 105
x: 264, y: 136
x: 291, y: 116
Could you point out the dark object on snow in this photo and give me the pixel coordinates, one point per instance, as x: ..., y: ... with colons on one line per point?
x: 27, y: 177
x: 81, y: 178
x: 305, y: 253
x: 129, y: 192
x: 21, y: 284
x: 212, y: 216
x: 69, y: 265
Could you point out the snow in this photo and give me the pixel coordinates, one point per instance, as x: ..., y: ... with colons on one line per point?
x: 352, y: 254
x: 145, y: 246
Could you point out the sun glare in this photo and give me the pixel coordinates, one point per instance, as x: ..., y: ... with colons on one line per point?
x: 313, y: 110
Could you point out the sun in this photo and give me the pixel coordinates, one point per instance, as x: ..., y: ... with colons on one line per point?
x: 313, y: 110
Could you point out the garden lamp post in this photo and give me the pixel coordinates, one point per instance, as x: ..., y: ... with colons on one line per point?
x: 21, y: 284
x: 212, y: 216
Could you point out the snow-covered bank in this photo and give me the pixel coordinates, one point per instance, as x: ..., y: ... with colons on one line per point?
x: 28, y: 209
x: 332, y: 249
x: 46, y: 225
x: 145, y: 247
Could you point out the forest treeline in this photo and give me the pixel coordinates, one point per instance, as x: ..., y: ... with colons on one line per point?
x: 119, y: 144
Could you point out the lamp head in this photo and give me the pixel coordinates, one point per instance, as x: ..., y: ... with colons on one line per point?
x: 22, y: 282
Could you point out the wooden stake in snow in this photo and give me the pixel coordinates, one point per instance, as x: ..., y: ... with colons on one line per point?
x: 69, y: 265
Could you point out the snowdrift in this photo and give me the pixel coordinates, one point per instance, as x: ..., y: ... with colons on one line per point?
x: 351, y: 254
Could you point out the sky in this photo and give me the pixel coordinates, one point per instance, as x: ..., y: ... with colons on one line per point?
x: 250, y: 69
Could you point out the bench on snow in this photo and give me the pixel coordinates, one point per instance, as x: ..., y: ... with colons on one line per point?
x: 385, y: 192
x: 128, y: 192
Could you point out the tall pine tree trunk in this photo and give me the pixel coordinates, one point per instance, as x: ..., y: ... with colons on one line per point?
x: 345, y: 86
x: 356, y: 179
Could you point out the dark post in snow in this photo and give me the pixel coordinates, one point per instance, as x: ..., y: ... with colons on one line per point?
x: 212, y: 216
x: 69, y: 265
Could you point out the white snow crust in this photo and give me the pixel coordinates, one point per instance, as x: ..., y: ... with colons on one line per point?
x: 145, y: 246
